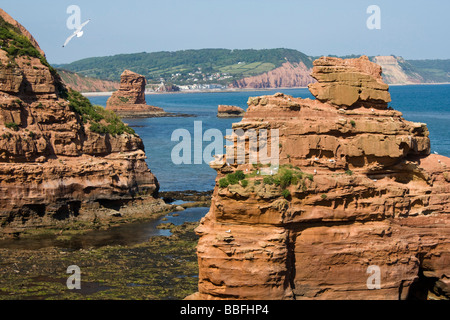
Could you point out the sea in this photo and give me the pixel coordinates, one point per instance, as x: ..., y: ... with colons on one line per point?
x: 429, y: 104
x: 419, y: 103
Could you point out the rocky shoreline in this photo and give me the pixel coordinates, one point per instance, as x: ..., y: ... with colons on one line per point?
x: 162, y: 268
x: 186, y: 195
x: 101, y: 217
x: 128, y: 115
x: 40, y: 273
x: 224, y: 111
x: 108, y: 93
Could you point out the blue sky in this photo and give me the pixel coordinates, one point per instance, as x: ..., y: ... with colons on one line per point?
x: 412, y: 29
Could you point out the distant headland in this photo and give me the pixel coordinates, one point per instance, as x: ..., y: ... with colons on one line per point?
x: 212, y: 70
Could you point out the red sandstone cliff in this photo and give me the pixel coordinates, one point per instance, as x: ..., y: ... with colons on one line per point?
x: 356, y: 188
x: 129, y: 100
x: 87, y: 84
x: 289, y: 75
x: 55, y: 161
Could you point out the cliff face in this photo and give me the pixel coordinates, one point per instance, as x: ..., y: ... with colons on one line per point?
x: 293, y: 75
x: 289, y: 75
x: 356, y: 189
x: 129, y: 100
x: 394, y: 73
x: 349, y: 83
x: 87, y: 84
x: 58, y: 153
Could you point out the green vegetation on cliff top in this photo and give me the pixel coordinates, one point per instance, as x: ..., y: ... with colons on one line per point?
x: 432, y: 70
x: 183, y: 67
x: 17, y: 45
x: 100, y: 120
x: 223, y: 66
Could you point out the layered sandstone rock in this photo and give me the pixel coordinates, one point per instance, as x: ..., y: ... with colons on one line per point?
x: 356, y: 190
x: 224, y: 111
x: 57, y: 158
x: 129, y: 100
x: 350, y: 82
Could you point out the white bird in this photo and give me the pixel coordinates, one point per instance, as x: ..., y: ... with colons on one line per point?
x: 228, y: 164
x: 78, y: 32
x: 439, y: 160
x: 228, y: 231
x: 436, y: 152
x: 315, y: 171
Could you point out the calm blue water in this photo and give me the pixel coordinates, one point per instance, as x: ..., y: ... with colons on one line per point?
x: 429, y: 104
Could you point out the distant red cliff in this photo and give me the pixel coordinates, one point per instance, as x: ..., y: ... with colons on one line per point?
x: 289, y: 75
x: 87, y: 84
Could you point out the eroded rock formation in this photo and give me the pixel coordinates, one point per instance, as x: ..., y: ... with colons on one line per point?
x: 349, y: 83
x: 59, y: 155
x: 356, y: 189
x: 129, y: 100
x: 224, y: 111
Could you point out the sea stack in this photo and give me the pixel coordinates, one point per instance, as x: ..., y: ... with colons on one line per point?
x: 357, y: 208
x: 224, y: 111
x: 61, y: 158
x: 129, y: 100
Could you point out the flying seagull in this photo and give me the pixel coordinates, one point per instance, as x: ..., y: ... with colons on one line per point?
x: 78, y: 32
